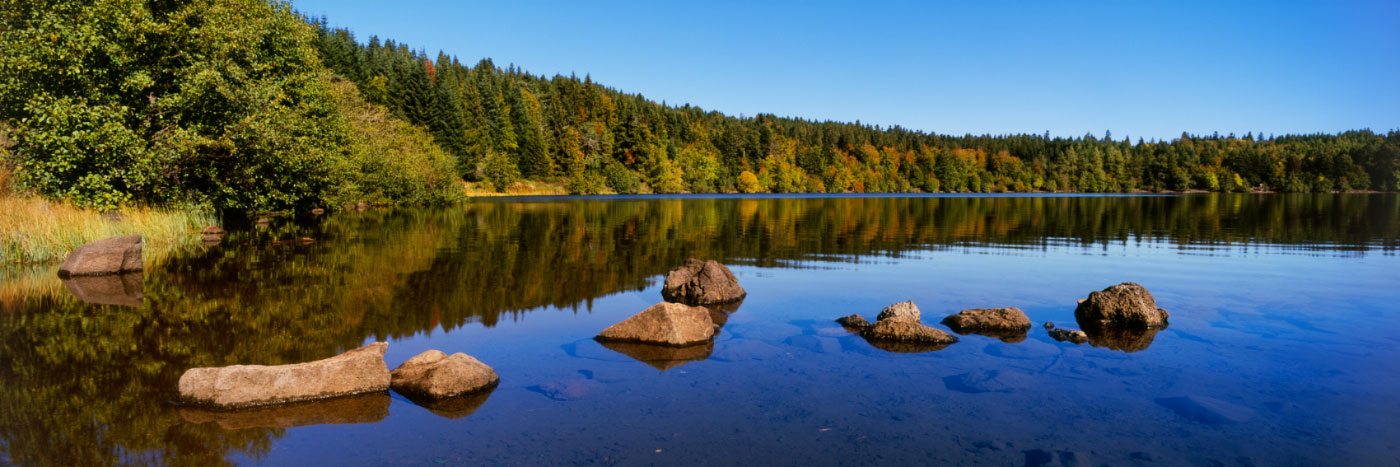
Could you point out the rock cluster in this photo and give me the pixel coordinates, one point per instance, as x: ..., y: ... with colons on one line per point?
x: 897, y: 329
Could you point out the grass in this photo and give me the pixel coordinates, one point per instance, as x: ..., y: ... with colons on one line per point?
x: 520, y: 188
x: 38, y: 231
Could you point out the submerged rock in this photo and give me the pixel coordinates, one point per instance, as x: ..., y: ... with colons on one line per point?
x: 1126, y: 305
x: 365, y: 408
x: 123, y: 289
x: 1062, y: 335
x: 853, y: 322
x: 906, y: 310
x: 661, y: 357
x: 664, y: 324
x: 1008, y: 324
x: 1207, y: 410
x: 702, y: 283
x: 112, y: 255
x: 434, y: 375
x: 358, y: 371
x: 988, y: 381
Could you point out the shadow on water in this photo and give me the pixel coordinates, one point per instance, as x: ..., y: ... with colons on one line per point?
x: 264, y: 296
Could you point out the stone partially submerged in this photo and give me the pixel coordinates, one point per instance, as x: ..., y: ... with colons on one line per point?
x: 702, y: 283
x: 1007, y: 324
x: 901, y: 330
x: 112, y: 255
x: 664, y: 323
x: 905, y: 310
x: 1124, y: 305
x: 359, y: 371
x: 434, y: 375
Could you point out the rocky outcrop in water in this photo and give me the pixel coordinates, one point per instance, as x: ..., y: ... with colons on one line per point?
x: 902, y: 330
x: 906, y: 310
x: 359, y: 371
x: 112, y: 255
x: 434, y: 375
x: 120, y: 289
x: 702, y: 283
x: 1124, y: 305
x: 664, y: 323
x: 853, y: 322
x: 1066, y: 335
x: 1008, y: 324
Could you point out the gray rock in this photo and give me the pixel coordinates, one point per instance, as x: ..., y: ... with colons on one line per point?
x: 664, y: 324
x: 702, y: 283
x: 112, y: 255
x: 358, y: 371
x: 906, y: 310
x: 1124, y: 305
x: 434, y: 375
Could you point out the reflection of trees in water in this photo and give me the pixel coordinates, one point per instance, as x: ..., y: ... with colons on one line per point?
x: 89, y: 385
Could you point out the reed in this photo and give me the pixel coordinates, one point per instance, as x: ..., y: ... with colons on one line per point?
x: 38, y: 231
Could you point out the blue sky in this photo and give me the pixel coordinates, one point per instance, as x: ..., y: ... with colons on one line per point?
x: 1149, y: 69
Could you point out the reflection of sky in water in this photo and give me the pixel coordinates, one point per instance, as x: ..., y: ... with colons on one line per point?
x: 1274, y: 357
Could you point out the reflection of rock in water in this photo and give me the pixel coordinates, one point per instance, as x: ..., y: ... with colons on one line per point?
x: 456, y: 407
x: 118, y: 289
x: 907, y: 346
x: 719, y: 313
x: 1005, y: 335
x: 662, y: 357
x: 367, y: 408
x: 1119, y: 338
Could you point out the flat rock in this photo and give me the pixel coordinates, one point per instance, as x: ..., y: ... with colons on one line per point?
x: 664, y: 324
x: 906, y: 310
x: 909, y: 331
x: 123, y: 289
x: 112, y: 255
x: 998, y: 320
x: 978, y: 381
x: 434, y: 375
x: 1124, y: 305
x: 1207, y: 410
x: 358, y: 371
x: 702, y: 283
x: 364, y: 408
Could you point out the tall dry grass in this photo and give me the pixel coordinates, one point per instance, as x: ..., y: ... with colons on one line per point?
x: 38, y: 231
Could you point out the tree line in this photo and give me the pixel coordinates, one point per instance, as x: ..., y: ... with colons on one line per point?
x: 503, y: 124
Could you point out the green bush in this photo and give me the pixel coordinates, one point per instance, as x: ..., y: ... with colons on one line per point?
x: 620, y: 179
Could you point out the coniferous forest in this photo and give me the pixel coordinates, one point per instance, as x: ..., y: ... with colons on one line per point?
x: 243, y: 105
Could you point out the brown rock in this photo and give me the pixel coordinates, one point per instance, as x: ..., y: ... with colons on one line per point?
x: 1008, y: 324
x: 318, y: 211
x: 903, y: 310
x: 358, y: 371
x: 665, y: 324
x: 662, y: 357
x: 107, y: 256
x: 364, y: 408
x: 1126, y: 304
x: 433, y: 375
x: 702, y: 283
x: 1062, y: 335
x: 853, y: 322
x: 123, y: 289
x: 903, y: 330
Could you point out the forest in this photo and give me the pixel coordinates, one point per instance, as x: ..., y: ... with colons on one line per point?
x: 248, y: 105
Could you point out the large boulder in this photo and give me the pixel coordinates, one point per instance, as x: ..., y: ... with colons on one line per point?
x: 664, y: 323
x: 1125, y: 304
x: 907, y: 311
x: 702, y: 283
x: 359, y: 371
x: 906, y: 331
x: 434, y: 375
x: 112, y: 255
x: 1008, y: 324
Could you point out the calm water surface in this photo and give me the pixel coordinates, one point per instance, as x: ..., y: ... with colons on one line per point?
x: 1283, y: 349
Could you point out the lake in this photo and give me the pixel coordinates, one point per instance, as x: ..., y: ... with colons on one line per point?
x: 1283, y: 346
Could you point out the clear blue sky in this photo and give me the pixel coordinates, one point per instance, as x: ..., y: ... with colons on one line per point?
x: 1150, y: 69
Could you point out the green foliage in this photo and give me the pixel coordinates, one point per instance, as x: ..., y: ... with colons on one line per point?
x: 620, y: 179
x: 748, y: 183
x: 500, y: 170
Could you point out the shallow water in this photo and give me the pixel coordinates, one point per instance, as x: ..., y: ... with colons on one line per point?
x: 1282, y: 348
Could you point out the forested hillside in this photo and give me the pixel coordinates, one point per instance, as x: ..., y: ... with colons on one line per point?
x: 245, y: 105
x: 502, y: 124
